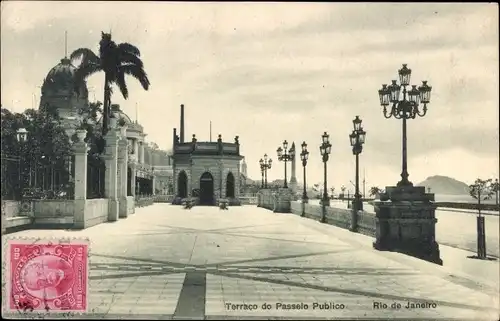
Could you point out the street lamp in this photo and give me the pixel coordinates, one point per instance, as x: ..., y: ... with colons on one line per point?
x: 21, y: 136
x: 357, y: 138
x: 304, y: 155
x: 285, y: 155
x: 407, y: 108
x: 325, y: 149
x: 265, y: 164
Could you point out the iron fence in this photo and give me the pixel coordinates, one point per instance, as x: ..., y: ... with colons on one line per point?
x: 96, y: 169
x: 40, y: 178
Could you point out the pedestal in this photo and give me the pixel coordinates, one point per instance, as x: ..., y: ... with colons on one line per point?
x: 406, y: 223
x: 111, y: 179
x: 283, y: 199
x: 80, y: 178
x: 122, y: 166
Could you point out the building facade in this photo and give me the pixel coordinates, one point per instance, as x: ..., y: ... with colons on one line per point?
x: 208, y: 171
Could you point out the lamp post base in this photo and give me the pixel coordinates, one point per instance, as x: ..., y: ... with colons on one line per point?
x: 405, y: 222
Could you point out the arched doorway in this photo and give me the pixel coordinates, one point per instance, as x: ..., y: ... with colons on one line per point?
x: 230, y: 185
x: 206, y: 189
x: 182, y: 181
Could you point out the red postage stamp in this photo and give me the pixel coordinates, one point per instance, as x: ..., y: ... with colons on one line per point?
x: 47, y: 275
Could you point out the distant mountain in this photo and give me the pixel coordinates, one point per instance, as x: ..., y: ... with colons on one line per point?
x: 445, y: 185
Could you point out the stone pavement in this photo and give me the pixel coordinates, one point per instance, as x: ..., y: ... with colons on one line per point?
x: 165, y: 262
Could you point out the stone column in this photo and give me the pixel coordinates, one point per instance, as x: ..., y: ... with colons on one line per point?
x: 190, y: 178
x: 122, y: 177
x: 133, y: 171
x: 141, y: 154
x: 111, y: 181
x: 135, y: 154
x: 153, y: 184
x: 174, y: 180
x: 80, y: 150
x: 237, y: 182
x: 293, y: 179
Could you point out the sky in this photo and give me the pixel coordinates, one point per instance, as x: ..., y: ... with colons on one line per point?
x: 274, y: 71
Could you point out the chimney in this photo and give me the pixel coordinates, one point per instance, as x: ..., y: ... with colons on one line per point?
x: 182, y: 124
x: 175, y: 137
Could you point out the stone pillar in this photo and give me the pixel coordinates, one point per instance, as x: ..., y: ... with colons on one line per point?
x: 153, y: 184
x: 122, y: 177
x: 190, y: 179
x: 111, y: 181
x: 80, y: 150
x: 293, y: 179
x: 135, y: 154
x: 174, y: 181
x: 405, y: 222
x: 237, y: 182
x: 283, y: 200
x: 141, y: 154
x: 133, y: 178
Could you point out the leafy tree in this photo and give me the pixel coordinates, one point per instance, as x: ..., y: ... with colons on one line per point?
x: 496, y: 189
x: 116, y: 61
x: 481, y: 190
x: 46, y: 146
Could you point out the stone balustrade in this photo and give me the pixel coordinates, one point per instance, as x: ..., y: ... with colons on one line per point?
x: 336, y: 216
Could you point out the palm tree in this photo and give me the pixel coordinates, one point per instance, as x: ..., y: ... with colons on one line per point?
x: 116, y: 60
x: 374, y: 191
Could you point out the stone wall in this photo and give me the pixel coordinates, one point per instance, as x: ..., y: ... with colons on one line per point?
x: 337, y: 216
x: 10, y: 208
x: 163, y: 198
x: 265, y: 199
x: 77, y: 214
x: 53, y: 212
x: 95, y: 212
x: 248, y: 200
x: 278, y: 201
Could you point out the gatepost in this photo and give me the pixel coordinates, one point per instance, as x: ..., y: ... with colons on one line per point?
x: 111, y: 181
x: 80, y: 150
x: 122, y: 165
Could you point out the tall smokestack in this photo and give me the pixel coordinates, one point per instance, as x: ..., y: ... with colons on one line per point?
x: 182, y: 124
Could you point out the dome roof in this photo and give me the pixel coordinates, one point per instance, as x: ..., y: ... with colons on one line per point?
x: 59, y: 80
x: 119, y: 114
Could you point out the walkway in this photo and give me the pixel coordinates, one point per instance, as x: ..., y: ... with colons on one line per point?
x: 167, y: 262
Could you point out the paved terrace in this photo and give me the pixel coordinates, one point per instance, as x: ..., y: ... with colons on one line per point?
x: 167, y: 262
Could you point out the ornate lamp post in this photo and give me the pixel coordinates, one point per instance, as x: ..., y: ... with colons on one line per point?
x: 407, y: 108
x: 261, y: 162
x: 285, y: 155
x: 304, y: 155
x: 21, y: 137
x: 357, y: 138
x: 325, y: 149
x: 265, y: 164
